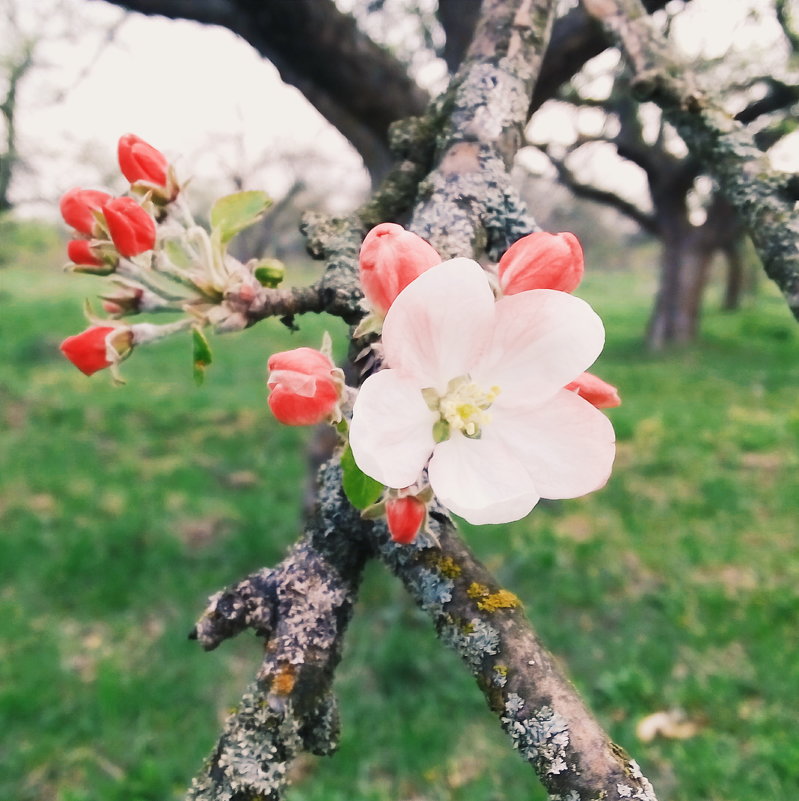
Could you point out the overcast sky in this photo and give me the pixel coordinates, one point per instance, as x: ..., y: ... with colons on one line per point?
x: 197, y: 92
x: 211, y: 103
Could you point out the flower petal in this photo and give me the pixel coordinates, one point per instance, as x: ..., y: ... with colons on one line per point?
x: 391, y: 434
x: 481, y: 480
x: 542, y: 340
x: 566, y: 445
x: 440, y: 323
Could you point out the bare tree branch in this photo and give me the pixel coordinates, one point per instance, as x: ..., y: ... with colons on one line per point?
x: 645, y: 220
x: 362, y: 96
x: 10, y: 158
x: 764, y: 198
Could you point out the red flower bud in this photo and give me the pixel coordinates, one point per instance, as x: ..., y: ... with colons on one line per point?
x: 140, y: 161
x: 304, y: 388
x: 77, y: 207
x: 390, y: 259
x: 97, y: 347
x: 541, y: 261
x: 595, y: 391
x: 405, y: 517
x: 131, y: 228
x: 80, y: 252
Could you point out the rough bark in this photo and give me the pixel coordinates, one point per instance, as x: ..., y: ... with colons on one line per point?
x: 289, y: 708
x: 764, y: 199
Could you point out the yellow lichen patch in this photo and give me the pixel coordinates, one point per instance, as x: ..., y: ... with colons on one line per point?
x: 445, y: 565
x: 487, y: 601
x: 283, y: 680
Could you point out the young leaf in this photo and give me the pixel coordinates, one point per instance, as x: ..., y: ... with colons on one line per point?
x: 360, y: 489
x: 234, y: 213
x: 202, y: 354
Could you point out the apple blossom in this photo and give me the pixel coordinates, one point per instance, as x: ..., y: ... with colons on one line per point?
x: 474, y: 392
x: 131, y: 228
x: 595, y: 391
x: 541, y: 261
x: 305, y: 387
x: 97, y: 347
x: 390, y: 259
x: 404, y: 517
x: 78, y: 207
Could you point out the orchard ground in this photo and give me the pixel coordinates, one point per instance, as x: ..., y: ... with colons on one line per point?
x: 674, y: 589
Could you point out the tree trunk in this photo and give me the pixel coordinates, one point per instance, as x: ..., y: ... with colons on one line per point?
x: 684, y: 269
x: 735, y: 282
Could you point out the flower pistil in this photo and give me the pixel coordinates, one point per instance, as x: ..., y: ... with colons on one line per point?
x: 463, y: 407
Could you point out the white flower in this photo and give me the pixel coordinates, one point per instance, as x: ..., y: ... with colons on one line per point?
x: 474, y: 391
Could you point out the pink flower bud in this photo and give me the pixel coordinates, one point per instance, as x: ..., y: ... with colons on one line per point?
x: 541, y: 261
x: 131, y: 228
x: 97, y: 347
x: 304, y: 386
x: 141, y: 162
x: 77, y: 207
x: 595, y: 391
x: 390, y: 259
x: 80, y: 252
x: 405, y: 517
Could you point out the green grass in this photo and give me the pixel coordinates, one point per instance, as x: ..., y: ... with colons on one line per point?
x: 121, y: 509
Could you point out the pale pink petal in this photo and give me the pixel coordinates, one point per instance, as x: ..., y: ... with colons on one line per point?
x: 440, y: 323
x: 566, y: 445
x: 543, y: 339
x: 481, y: 480
x: 391, y: 434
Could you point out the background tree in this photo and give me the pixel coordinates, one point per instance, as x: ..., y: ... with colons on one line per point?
x: 682, y: 208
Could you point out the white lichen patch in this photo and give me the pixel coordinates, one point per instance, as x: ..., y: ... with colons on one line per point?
x: 307, y: 607
x: 646, y: 791
x: 572, y: 795
x: 542, y: 738
x: 473, y: 642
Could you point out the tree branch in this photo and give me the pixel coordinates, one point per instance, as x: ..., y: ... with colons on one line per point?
x: 301, y: 609
x: 362, y: 96
x: 647, y: 221
x: 764, y: 198
x: 466, y: 207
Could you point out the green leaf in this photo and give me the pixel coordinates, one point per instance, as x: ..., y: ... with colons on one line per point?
x: 202, y: 354
x: 360, y: 489
x: 234, y: 213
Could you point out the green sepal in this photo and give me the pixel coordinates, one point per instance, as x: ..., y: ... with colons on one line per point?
x: 202, y: 354
x: 233, y: 213
x: 361, y: 490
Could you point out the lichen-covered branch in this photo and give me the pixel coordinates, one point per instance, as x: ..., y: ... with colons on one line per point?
x: 537, y: 705
x: 301, y: 609
x: 765, y: 199
x: 467, y: 203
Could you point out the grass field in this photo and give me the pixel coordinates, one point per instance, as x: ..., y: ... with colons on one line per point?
x: 121, y: 509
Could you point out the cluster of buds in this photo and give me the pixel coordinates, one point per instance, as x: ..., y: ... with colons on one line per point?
x: 307, y: 389
x: 158, y: 259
